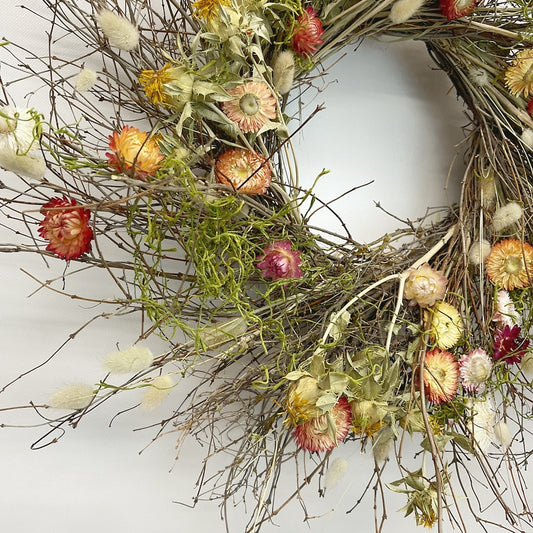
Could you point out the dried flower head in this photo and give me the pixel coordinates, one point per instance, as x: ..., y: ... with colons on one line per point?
x: 454, y: 9
x: 367, y: 417
x: 403, y: 10
x: 301, y: 400
x: 307, y: 34
x: 120, y: 32
x: 324, y: 432
x: 519, y: 75
x: 85, y: 80
x: 247, y: 172
x: 505, y: 313
x: 157, y: 392
x: 475, y: 368
x: 283, y: 71
x: 153, y: 82
x: 75, y: 396
x: 280, y: 261
x: 445, y: 324
x: 441, y: 372
x: 424, y: 286
x: 509, y: 345
x: 66, y: 227
x: 478, y: 252
x: 510, y: 264
x: 134, y: 153
x: 208, y: 9
x: 506, y: 216
x: 253, y: 105
x: 133, y: 359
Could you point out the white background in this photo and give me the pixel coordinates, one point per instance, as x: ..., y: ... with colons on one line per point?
x: 390, y: 118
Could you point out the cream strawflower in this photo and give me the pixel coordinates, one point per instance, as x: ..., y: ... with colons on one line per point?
x: 403, y: 10
x: 445, y: 324
x: 158, y: 390
x: 302, y: 398
x: 475, y: 368
x: 75, y: 396
x: 120, y: 32
x: 424, y: 286
x: 506, y: 216
x: 518, y: 76
x: 133, y: 359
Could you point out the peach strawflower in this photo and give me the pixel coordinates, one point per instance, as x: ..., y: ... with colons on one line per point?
x: 280, y: 261
x: 519, y: 75
x: 445, y: 324
x: 424, y: 286
x: 315, y: 434
x: 441, y: 372
x: 510, y: 264
x: 246, y: 171
x: 66, y: 227
x: 134, y: 153
x: 252, y: 107
x: 307, y: 34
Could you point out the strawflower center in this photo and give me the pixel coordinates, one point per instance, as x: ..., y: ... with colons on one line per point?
x: 249, y: 104
x: 513, y: 264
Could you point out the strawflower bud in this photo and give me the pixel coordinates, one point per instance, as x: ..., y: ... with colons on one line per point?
x: 120, y: 32
x: 133, y: 359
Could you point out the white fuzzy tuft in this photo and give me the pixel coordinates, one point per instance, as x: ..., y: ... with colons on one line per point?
x: 479, y: 77
x: 502, y: 434
x: 506, y: 216
x: 527, y: 365
x: 157, y: 392
x: 133, y: 359
x: 85, y: 80
x: 479, y: 252
x: 335, y: 472
x: 487, y: 187
x: 527, y: 138
x: 29, y: 165
x: 283, y: 72
x: 403, y: 10
x: 120, y: 32
x: 76, y: 396
x: 383, y: 445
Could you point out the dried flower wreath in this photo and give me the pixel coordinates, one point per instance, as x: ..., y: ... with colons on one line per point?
x: 187, y: 197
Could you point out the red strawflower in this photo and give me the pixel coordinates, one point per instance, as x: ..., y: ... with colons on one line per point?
x: 530, y: 107
x: 454, y: 9
x: 314, y: 435
x: 508, y: 345
x: 66, y: 227
x: 280, y: 261
x: 307, y: 34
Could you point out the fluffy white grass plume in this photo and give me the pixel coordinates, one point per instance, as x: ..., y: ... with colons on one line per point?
x: 283, y: 72
x: 479, y: 77
x: 506, y: 216
x: 527, y: 138
x: 28, y: 165
x: 487, y: 188
x: 133, y: 359
x: 85, y: 80
x: 502, y: 434
x: 383, y: 444
x: 478, y: 252
x: 527, y: 365
x: 120, y: 32
x: 403, y: 10
x: 335, y: 472
x: 75, y: 396
x: 157, y: 392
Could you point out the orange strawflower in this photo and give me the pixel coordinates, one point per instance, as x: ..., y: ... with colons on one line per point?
x: 510, y: 264
x: 245, y: 171
x: 134, y: 153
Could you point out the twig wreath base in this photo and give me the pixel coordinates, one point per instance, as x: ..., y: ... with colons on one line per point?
x: 166, y: 163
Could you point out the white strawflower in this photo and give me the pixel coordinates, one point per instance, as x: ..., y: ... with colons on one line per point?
x: 85, y: 80
x: 19, y: 129
x: 527, y: 138
x: 403, y: 10
x: 506, y: 313
x: 479, y: 77
x: 506, y: 216
x: 120, y: 32
x: 502, y: 434
x: 28, y: 165
x: 76, y: 396
x: 157, y: 392
x: 335, y: 472
x: 283, y: 72
x: 133, y: 359
x: 479, y: 251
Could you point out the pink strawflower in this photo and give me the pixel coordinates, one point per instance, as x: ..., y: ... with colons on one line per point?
x: 509, y: 345
x: 475, y: 368
x: 66, y: 228
x: 315, y: 434
x: 280, y: 261
x: 506, y: 314
x: 424, y: 286
x: 307, y: 35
